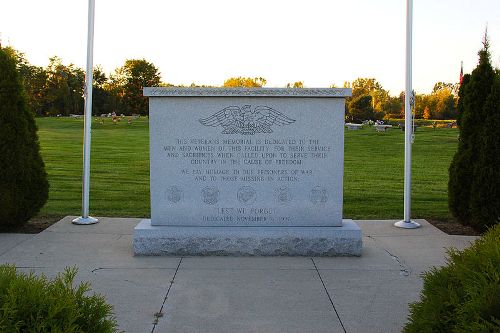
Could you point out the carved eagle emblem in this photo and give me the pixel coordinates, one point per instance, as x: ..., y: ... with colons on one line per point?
x: 246, y: 120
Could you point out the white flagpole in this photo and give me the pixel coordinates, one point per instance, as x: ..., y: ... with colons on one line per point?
x: 85, y: 218
x: 407, y: 222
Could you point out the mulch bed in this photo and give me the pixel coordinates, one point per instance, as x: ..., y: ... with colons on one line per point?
x: 452, y: 227
x: 33, y: 226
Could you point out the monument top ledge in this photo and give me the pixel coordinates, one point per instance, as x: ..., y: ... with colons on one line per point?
x: 247, y: 92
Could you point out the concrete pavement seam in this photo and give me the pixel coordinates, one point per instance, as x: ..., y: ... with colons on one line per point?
x: 159, y: 314
x: 131, y: 268
x: 328, y: 294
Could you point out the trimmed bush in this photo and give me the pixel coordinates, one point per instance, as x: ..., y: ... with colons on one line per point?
x: 23, y: 180
x: 464, y: 295
x: 30, y: 303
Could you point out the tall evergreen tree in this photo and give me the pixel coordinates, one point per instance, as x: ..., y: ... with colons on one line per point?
x: 476, y: 104
x: 23, y: 181
x: 485, y: 187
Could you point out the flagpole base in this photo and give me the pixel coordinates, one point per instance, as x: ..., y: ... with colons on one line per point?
x: 85, y: 220
x: 407, y: 225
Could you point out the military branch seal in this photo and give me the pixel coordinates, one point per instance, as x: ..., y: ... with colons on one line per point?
x: 173, y: 194
x: 318, y: 195
x: 210, y: 195
x: 246, y: 121
x: 247, y: 195
x: 283, y: 195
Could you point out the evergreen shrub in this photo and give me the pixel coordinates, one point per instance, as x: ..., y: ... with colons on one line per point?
x: 464, y: 295
x: 474, y: 182
x: 23, y: 180
x: 30, y: 303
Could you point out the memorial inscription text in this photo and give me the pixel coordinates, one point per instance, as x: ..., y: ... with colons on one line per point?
x: 247, y: 160
x: 231, y: 159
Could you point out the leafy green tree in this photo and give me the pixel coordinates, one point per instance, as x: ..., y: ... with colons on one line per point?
x: 33, y: 78
x: 420, y: 106
x: 370, y: 86
x: 443, y: 101
x: 129, y: 81
x: 102, y: 99
x: 446, y: 107
x: 392, y: 107
x: 443, y: 86
x: 23, y: 181
x: 363, y: 86
x: 64, y: 88
x: 114, y: 91
x: 76, y: 84
x: 360, y: 109
x: 245, y: 82
x: 297, y: 84
x: 479, y: 104
x: 427, y: 113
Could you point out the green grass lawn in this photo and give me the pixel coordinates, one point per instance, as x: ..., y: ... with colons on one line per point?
x: 373, y: 175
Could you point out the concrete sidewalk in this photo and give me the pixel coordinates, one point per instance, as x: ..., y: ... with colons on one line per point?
x: 241, y: 294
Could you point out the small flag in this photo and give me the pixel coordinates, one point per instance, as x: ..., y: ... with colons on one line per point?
x: 461, y: 72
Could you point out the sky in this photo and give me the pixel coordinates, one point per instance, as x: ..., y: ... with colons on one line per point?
x: 318, y: 42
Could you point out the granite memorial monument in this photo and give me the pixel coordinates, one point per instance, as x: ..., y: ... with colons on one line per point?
x: 237, y: 171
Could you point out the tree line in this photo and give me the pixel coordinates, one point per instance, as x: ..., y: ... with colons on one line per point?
x: 58, y: 89
x: 371, y: 101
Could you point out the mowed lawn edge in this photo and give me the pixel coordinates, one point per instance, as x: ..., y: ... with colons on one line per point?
x: 373, y: 170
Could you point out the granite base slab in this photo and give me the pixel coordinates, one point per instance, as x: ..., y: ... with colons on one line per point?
x: 247, y: 241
